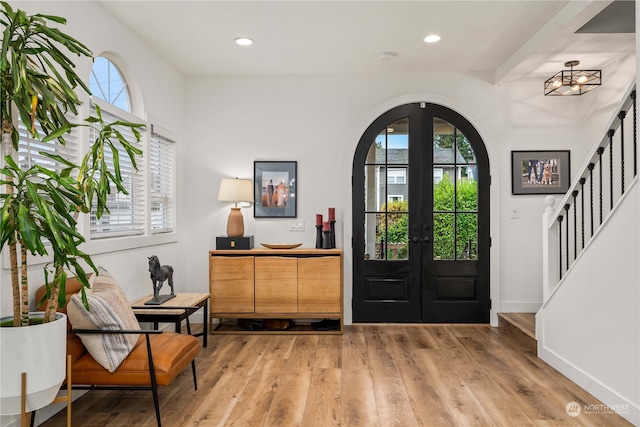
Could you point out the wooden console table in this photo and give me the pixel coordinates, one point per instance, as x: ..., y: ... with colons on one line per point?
x: 174, y: 311
x: 297, y: 284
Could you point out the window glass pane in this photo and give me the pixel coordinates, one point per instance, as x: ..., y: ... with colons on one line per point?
x: 397, y: 176
x: 397, y: 251
x: 396, y: 231
x: 391, y: 145
x: 161, y: 155
x: 378, y: 151
x: 443, y: 144
x: 466, y: 191
x: 467, y: 236
x: 106, y: 82
x: 443, y: 236
x: 375, y: 190
x: 386, y: 190
x: 465, y: 149
x: 374, y: 245
x: 397, y: 185
x: 126, y: 214
x: 386, y: 236
x: 30, y: 149
x: 443, y: 192
x: 398, y: 142
x: 437, y: 175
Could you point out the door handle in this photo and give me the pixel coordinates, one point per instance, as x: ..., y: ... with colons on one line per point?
x: 426, y: 239
x: 415, y: 239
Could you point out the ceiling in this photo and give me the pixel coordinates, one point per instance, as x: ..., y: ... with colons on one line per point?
x: 494, y: 40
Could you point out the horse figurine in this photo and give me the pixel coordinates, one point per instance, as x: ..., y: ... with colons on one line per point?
x: 160, y: 274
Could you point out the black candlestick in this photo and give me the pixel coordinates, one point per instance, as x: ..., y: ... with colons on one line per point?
x: 318, y: 236
x: 326, y: 241
x: 333, y: 233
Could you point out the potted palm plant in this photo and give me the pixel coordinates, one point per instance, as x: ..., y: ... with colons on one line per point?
x: 39, y: 205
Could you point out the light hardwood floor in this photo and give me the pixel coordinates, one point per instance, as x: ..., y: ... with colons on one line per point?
x: 373, y: 375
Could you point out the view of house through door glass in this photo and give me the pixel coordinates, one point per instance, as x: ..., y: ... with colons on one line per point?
x: 386, y: 194
x: 421, y: 229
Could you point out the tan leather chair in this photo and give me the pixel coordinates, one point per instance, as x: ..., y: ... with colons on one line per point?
x: 156, y: 360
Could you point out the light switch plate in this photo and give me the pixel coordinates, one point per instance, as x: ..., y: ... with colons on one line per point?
x: 515, y: 212
x: 297, y: 225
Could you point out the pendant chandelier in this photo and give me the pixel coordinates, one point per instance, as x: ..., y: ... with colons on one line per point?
x: 572, y: 82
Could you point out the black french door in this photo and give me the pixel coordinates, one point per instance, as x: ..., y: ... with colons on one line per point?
x: 421, y: 219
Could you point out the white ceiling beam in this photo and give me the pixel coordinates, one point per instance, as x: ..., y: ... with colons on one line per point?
x: 574, y: 14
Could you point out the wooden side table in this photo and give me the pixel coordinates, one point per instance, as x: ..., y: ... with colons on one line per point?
x: 174, y: 311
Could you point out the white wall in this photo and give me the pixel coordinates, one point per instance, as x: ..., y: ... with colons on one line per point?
x: 318, y: 121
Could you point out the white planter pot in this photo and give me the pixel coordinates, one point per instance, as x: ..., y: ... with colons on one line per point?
x: 38, y: 350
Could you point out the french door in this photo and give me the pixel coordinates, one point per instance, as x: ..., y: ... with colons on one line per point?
x: 421, y: 219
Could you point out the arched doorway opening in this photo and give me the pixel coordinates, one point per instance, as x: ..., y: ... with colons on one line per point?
x: 421, y: 240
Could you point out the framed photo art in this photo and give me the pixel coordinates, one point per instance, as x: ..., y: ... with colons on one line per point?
x: 540, y: 172
x: 275, y: 185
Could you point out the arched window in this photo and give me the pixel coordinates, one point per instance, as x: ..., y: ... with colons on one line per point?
x: 127, y: 212
x: 107, y: 83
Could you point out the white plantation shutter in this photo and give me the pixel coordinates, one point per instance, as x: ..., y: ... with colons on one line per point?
x: 29, y: 148
x: 161, y: 161
x: 126, y: 214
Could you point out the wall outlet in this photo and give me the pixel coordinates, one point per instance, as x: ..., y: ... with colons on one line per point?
x: 297, y: 225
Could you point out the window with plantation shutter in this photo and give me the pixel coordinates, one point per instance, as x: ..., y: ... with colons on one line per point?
x: 161, y: 155
x: 30, y: 149
x: 126, y: 214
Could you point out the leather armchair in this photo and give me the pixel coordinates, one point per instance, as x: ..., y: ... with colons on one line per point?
x: 156, y: 359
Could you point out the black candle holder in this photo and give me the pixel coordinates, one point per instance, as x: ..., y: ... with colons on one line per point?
x: 318, y: 236
x: 332, y: 233
x: 326, y: 239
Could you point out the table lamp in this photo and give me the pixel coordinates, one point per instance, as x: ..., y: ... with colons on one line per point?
x: 235, y: 190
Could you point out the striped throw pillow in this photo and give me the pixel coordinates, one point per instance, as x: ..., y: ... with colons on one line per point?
x: 109, y: 309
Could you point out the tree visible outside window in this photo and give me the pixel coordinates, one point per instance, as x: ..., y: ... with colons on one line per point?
x: 455, y: 229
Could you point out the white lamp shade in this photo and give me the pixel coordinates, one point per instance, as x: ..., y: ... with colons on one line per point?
x: 235, y: 190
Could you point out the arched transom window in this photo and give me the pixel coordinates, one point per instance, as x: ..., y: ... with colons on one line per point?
x: 108, y: 84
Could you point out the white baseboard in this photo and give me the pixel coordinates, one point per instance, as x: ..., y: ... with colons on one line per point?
x: 612, y: 400
x: 520, y: 306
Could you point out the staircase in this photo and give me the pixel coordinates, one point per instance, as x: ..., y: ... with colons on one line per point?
x: 588, y: 326
x: 521, y: 327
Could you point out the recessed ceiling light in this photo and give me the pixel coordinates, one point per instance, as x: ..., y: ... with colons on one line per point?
x: 432, y: 38
x: 243, y: 41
